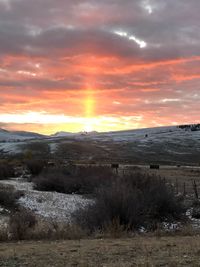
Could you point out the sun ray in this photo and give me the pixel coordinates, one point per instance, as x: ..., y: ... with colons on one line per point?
x: 89, y: 102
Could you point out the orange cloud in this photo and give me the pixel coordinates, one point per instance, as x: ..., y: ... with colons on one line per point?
x: 78, y: 74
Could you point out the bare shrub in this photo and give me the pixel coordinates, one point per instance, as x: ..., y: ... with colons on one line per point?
x: 51, y: 179
x: 4, y: 233
x: 62, y: 231
x: 9, y: 197
x: 29, y: 228
x: 35, y: 166
x: 113, y: 230
x: 82, y: 180
x: 71, y: 232
x: 88, y: 179
x: 20, y: 224
x: 133, y: 201
x: 6, y: 170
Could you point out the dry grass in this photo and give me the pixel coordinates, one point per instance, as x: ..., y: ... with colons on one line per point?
x: 137, y: 251
x: 24, y: 226
x: 180, y: 176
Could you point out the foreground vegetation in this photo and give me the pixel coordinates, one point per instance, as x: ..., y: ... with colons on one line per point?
x: 6, y: 170
x: 128, y: 203
x: 71, y: 179
x: 132, y: 202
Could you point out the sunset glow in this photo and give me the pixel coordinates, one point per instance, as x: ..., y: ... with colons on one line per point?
x: 98, y: 65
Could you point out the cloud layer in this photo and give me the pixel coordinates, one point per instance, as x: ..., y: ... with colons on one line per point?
x: 118, y: 59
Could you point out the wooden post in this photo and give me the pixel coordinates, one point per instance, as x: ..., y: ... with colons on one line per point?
x: 115, y: 166
x: 184, y: 189
x: 195, y: 189
x: 177, y: 186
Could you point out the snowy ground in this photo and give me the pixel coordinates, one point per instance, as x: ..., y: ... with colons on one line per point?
x: 50, y: 205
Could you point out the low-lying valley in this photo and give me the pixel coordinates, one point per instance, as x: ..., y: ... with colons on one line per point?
x: 127, y: 198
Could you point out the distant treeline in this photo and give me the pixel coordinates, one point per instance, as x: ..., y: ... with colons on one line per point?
x: 192, y: 127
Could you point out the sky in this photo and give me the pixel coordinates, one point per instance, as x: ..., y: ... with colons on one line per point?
x: 70, y: 65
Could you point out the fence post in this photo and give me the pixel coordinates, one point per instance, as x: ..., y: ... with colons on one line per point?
x: 176, y: 186
x: 195, y: 189
x: 184, y: 189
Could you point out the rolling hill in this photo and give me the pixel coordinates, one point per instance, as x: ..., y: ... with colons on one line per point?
x: 164, y: 145
x: 17, y: 135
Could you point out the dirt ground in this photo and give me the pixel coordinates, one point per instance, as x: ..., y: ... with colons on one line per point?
x: 137, y: 251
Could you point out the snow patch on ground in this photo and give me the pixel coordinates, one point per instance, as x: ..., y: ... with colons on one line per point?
x: 50, y: 205
x: 195, y: 222
x: 56, y: 206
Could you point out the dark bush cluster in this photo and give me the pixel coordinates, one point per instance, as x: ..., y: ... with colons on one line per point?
x: 8, y: 197
x: 51, y: 179
x: 35, y: 166
x: 6, y: 170
x: 79, y: 180
x: 132, y: 201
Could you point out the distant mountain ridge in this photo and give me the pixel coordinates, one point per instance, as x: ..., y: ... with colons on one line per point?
x: 68, y: 134
x: 6, y: 135
x: 62, y: 134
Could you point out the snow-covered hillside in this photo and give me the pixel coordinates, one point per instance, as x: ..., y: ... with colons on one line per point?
x: 163, y: 144
x: 68, y: 134
x: 63, y: 134
x: 166, y: 145
x: 126, y: 136
x: 17, y: 135
x: 10, y: 140
x: 153, y: 134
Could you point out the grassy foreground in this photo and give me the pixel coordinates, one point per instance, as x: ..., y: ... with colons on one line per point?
x: 138, y: 251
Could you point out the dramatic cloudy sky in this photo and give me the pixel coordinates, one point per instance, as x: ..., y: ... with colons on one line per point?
x: 105, y: 65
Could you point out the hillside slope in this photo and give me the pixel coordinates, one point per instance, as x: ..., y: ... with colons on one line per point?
x: 17, y: 135
x: 163, y: 145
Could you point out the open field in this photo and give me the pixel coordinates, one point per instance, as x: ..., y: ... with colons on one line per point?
x: 137, y: 251
x: 179, y: 176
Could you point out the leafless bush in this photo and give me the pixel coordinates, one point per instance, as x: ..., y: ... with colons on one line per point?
x: 9, y: 197
x: 35, y: 166
x: 62, y: 231
x: 133, y: 201
x: 20, y: 224
x: 82, y: 180
x: 4, y: 233
x: 24, y: 226
x: 6, y: 170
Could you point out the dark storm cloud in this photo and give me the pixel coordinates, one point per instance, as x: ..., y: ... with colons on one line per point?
x: 75, y: 27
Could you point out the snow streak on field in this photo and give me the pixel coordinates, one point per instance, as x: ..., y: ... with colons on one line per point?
x: 51, y: 205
